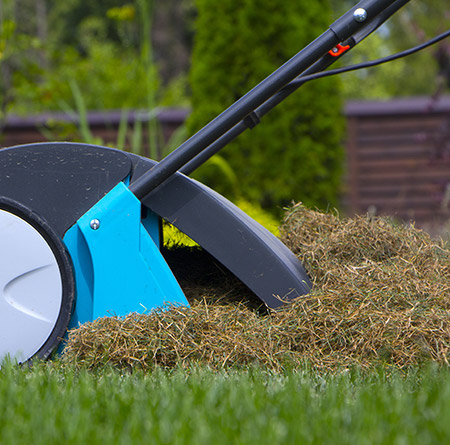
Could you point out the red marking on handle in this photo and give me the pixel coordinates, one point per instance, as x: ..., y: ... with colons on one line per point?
x: 338, y: 50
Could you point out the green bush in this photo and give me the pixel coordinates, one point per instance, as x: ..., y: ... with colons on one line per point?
x: 296, y: 153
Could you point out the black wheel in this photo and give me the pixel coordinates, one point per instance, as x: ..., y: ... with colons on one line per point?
x: 37, y: 286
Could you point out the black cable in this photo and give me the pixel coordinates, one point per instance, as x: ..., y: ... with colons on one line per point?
x: 371, y: 63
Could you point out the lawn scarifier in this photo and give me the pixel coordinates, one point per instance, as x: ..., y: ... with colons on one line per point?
x: 80, y: 224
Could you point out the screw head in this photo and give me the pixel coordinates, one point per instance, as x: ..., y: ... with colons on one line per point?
x: 360, y: 15
x: 94, y: 224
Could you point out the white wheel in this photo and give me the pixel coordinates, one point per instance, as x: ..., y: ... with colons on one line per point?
x: 35, y: 295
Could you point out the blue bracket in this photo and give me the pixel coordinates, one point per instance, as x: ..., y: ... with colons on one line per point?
x: 118, y: 266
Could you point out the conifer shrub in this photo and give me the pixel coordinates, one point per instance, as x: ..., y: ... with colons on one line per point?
x: 296, y: 152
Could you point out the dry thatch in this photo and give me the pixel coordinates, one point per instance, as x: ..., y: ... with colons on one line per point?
x: 381, y: 295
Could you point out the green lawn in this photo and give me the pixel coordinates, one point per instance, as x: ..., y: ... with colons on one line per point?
x: 49, y: 405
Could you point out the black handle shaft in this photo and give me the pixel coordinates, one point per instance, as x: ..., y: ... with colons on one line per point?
x: 339, y: 31
x: 262, y: 110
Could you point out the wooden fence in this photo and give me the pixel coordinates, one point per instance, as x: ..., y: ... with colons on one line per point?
x: 398, y: 159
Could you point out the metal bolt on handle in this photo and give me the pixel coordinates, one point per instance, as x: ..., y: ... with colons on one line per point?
x: 360, y: 15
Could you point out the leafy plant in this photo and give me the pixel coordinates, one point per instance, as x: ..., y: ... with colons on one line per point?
x: 17, y: 52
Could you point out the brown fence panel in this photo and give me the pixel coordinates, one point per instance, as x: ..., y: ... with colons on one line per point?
x: 398, y: 159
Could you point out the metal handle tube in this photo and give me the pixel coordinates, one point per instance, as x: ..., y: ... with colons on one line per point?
x: 262, y: 110
x: 340, y: 30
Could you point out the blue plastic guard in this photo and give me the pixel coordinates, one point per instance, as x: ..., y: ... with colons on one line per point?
x: 118, y: 267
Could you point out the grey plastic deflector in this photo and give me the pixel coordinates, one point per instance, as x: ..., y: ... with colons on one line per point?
x: 259, y: 259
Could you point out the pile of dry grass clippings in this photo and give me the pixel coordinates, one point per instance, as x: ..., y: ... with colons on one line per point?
x: 381, y: 295
x: 381, y: 289
x: 214, y: 335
